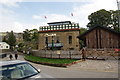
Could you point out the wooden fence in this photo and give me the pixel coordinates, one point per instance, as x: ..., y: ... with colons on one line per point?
x: 104, y: 54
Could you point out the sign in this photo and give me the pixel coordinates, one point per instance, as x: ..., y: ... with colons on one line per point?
x: 56, y: 45
x: 58, y: 52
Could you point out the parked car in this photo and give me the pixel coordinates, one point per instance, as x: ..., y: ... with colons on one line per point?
x: 18, y: 70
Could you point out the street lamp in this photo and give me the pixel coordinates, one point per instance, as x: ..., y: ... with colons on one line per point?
x: 52, y: 35
x: 46, y: 40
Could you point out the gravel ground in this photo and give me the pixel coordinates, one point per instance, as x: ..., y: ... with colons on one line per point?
x: 97, y: 65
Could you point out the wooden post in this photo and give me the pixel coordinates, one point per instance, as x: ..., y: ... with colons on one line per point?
x: 84, y: 54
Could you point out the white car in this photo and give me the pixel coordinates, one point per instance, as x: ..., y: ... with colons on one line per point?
x: 18, y: 70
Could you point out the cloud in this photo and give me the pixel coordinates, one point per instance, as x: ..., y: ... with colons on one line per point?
x: 9, y: 3
x: 81, y: 12
x: 52, y: 18
x: 8, y: 17
x: 15, y: 26
x: 58, y: 17
x: 36, y: 17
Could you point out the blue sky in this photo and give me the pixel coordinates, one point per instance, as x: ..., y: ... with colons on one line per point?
x: 18, y: 16
x: 28, y: 9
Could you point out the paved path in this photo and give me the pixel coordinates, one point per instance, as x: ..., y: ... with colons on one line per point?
x: 87, y: 69
x: 94, y: 65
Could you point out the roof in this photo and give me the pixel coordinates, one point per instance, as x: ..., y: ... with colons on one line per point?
x: 59, y: 23
x: 98, y: 26
x: 3, y: 43
x: 3, y: 63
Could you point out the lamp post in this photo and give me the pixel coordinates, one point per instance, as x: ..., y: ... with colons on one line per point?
x: 118, y: 5
x: 46, y: 41
x: 53, y: 35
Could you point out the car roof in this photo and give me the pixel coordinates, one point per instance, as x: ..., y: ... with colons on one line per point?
x: 3, y: 63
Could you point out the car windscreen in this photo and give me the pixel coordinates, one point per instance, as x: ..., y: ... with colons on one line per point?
x: 17, y: 71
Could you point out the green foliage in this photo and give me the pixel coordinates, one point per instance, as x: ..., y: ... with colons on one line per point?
x: 30, y: 35
x: 104, y: 18
x: 46, y: 60
x: 114, y: 19
x: 101, y: 17
x: 4, y: 39
x: 34, y: 34
x: 26, y: 35
x: 30, y: 39
x: 21, y: 47
x: 82, y: 44
x: 82, y: 30
x: 11, y: 39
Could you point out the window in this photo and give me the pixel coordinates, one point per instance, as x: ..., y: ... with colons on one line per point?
x: 70, y: 39
x: 57, y: 41
x: 64, y: 27
x: 48, y: 28
x: 67, y: 28
x: 57, y: 27
x: 51, y: 27
x: 46, y: 40
x: 6, y: 46
x: 73, y: 27
x: 42, y: 28
x: 61, y: 27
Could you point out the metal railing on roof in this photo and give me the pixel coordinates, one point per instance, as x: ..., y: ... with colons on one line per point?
x: 59, y: 27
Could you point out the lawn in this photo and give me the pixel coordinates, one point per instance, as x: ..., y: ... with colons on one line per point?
x: 47, y: 60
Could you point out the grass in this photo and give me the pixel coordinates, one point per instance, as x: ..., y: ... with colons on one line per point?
x: 47, y: 60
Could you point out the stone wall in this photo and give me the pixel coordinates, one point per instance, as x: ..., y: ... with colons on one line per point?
x: 102, y: 54
x: 72, y: 54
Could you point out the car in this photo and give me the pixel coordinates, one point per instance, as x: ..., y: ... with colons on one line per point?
x: 18, y: 70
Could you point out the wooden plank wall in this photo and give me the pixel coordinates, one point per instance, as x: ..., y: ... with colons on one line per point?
x: 100, y: 38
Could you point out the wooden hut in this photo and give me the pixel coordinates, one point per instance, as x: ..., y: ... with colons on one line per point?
x: 100, y: 37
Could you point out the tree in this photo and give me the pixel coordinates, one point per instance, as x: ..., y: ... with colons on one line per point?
x: 11, y: 39
x: 101, y: 17
x: 30, y: 35
x: 114, y: 19
x: 30, y: 38
x: 4, y: 39
x: 26, y: 35
x: 104, y: 18
x: 34, y: 34
x: 82, y: 30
